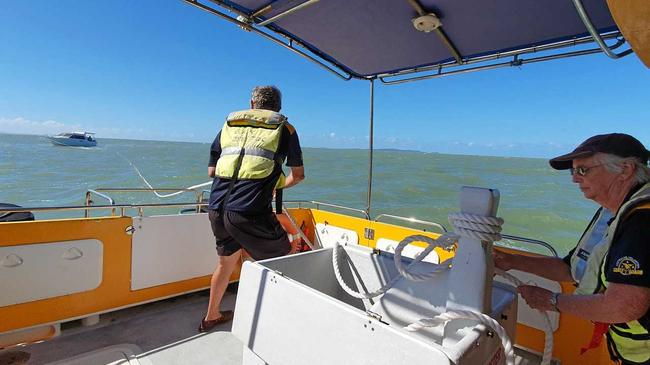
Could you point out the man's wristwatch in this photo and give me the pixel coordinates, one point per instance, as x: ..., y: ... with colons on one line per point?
x: 554, y: 301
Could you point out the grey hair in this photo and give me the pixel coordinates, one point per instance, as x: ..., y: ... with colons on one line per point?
x: 267, y: 97
x: 614, y: 163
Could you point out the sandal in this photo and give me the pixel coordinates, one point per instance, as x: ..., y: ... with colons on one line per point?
x: 208, y: 325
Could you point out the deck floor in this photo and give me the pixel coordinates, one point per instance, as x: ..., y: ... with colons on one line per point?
x: 158, y: 333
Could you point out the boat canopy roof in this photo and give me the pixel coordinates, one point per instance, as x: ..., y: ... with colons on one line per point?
x: 378, y: 38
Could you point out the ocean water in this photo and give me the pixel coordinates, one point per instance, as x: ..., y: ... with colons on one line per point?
x: 536, y: 201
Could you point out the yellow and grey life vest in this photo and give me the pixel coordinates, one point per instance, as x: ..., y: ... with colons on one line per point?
x: 589, y: 253
x: 250, y: 140
x: 631, y: 340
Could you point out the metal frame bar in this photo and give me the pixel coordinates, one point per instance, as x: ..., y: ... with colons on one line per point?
x: 530, y: 240
x: 449, y: 44
x: 97, y: 207
x: 122, y: 207
x: 251, y: 27
x: 594, y: 32
x: 318, y: 204
x: 515, y: 62
x: 287, y: 12
x: 88, y: 201
x: 346, y: 75
x: 441, y: 33
x: 412, y: 220
x: 91, y: 191
x: 512, y: 53
x: 198, y: 194
x: 371, y: 146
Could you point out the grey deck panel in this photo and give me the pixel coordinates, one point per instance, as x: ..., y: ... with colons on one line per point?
x: 164, y: 332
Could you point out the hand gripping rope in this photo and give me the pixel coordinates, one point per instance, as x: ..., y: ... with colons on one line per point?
x: 548, y: 327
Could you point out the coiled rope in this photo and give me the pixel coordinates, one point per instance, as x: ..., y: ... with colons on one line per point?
x: 444, y: 241
x: 466, y: 225
x: 484, y: 229
x: 451, y: 315
x: 477, y: 226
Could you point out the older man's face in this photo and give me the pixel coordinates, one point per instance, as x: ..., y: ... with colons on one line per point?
x: 597, y: 182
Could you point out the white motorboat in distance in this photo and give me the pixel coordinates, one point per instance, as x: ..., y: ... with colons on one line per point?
x: 74, y: 139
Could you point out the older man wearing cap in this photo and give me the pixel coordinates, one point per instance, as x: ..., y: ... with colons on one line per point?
x: 613, y: 270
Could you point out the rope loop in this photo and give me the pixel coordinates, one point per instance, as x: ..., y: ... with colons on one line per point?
x: 444, y: 241
x: 443, y: 318
x: 477, y: 226
x: 465, y: 225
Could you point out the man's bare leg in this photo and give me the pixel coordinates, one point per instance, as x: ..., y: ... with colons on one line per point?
x: 219, y: 283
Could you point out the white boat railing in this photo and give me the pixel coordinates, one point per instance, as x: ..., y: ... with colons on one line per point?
x: 113, y: 208
x: 200, y: 203
x: 318, y: 205
x: 532, y: 241
x: 98, y: 192
x: 412, y: 220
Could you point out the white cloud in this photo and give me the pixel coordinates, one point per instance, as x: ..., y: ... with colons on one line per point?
x: 332, y: 135
x: 21, y: 125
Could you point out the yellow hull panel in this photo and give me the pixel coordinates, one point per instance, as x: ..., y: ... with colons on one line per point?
x: 113, y: 293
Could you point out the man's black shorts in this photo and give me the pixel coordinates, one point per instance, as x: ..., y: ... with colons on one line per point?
x: 261, y: 235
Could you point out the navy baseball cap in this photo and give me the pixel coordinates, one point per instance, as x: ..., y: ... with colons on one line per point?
x: 619, y: 144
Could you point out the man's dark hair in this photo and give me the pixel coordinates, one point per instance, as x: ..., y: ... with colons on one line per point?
x: 267, y: 97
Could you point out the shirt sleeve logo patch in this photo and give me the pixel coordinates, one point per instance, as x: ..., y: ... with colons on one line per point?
x: 627, y: 266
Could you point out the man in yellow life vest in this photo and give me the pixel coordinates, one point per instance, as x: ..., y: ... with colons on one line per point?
x: 614, y: 290
x: 246, y: 161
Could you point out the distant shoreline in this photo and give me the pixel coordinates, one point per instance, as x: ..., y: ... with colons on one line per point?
x: 99, y: 138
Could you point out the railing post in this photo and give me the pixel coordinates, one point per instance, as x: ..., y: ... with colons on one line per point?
x: 371, y: 138
x: 87, y: 203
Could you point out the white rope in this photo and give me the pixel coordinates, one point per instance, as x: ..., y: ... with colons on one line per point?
x: 547, y: 355
x: 477, y: 226
x: 154, y: 190
x: 466, y: 225
x: 443, y: 241
x: 484, y: 229
x: 443, y: 318
x: 352, y: 292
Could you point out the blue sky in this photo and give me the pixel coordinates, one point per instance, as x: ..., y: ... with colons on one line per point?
x: 164, y: 70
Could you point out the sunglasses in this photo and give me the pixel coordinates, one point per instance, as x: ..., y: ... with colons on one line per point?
x: 583, y: 170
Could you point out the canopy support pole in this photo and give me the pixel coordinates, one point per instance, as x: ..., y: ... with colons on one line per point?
x: 371, y: 138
